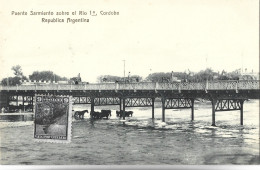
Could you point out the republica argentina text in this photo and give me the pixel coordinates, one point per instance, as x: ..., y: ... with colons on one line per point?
x: 67, y: 20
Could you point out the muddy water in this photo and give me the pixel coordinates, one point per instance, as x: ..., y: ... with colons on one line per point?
x: 141, y: 140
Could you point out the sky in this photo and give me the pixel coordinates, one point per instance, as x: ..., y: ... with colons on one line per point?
x: 150, y: 35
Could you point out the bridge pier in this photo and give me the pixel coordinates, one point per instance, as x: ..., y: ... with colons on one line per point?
x: 23, y: 104
x: 213, y: 102
x: 123, y: 108
x: 163, y: 109
x: 192, y: 109
x: 152, y: 108
x: 241, y: 111
x: 120, y: 104
x: 92, y: 105
x: 32, y: 104
x: 227, y: 105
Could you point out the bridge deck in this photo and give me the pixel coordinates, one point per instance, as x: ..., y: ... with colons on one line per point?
x: 214, y: 85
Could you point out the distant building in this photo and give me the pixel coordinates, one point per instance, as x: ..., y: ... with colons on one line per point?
x: 76, y: 80
x: 245, y: 75
x: 173, y: 78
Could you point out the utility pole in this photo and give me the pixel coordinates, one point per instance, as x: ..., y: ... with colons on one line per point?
x: 124, y: 70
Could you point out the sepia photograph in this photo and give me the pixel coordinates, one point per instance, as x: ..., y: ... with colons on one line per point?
x: 129, y: 83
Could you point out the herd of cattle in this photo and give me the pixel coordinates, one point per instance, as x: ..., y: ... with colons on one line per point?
x: 101, y: 114
x: 78, y: 114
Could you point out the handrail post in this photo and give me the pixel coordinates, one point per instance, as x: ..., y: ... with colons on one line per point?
x: 179, y: 88
x: 16, y: 87
x: 116, y: 89
x: 134, y: 87
x: 236, y: 86
x: 206, y: 86
x: 156, y: 87
x: 35, y: 87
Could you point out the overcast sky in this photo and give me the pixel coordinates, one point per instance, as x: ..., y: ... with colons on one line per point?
x: 150, y: 35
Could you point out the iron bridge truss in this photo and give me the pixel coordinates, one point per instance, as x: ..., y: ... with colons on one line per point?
x: 138, y: 102
x: 20, y: 98
x: 228, y: 105
x: 13, y: 98
x: 171, y: 103
x: 102, y: 101
x: 81, y: 100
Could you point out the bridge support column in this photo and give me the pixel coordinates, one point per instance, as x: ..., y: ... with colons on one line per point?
x: 23, y: 104
x: 192, y: 109
x: 163, y: 109
x: 241, y: 112
x: 120, y: 104
x: 123, y: 108
x: 92, y: 107
x: 32, y: 105
x: 213, y: 102
x: 16, y: 100
x: 152, y: 108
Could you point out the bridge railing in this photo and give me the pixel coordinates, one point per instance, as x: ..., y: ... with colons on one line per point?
x: 181, y: 86
x: 137, y: 86
x: 212, y: 85
x: 248, y: 85
x: 224, y: 85
x: 233, y: 85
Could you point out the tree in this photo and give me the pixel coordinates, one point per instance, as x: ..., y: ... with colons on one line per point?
x: 109, y: 78
x: 12, y: 81
x: 17, y: 70
x: 164, y: 77
x: 17, y: 79
x: 46, y: 76
x: 205, y: 75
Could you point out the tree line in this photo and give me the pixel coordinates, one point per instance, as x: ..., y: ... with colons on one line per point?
x: 187, y: 76
x: 39, y: 76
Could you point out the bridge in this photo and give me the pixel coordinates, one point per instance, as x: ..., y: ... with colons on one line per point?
x: 224, y: 95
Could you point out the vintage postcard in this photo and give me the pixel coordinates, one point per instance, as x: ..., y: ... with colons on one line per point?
x: 52, y: 118
x: 129, y: 82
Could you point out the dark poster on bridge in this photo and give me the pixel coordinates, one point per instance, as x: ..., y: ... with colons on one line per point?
x: 52, y: 118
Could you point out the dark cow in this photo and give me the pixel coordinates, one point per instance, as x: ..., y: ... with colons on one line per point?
x: 127, y: 113
x: 103, y: 113
x: 80, y: 114
x: 95, y: 115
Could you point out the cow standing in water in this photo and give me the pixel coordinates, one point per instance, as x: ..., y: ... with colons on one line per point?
x: 103, y: 113
x: 80, y: 114
x: 127, y: 113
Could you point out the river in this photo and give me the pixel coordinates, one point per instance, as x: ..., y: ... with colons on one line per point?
x: 142, y: 140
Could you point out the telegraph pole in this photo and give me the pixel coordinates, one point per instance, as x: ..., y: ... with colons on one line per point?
x: 124, y: 70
